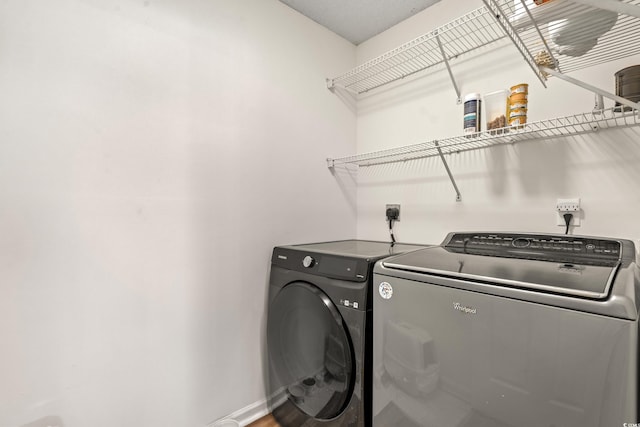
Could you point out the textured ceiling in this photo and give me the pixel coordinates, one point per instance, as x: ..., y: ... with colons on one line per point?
x: 358, y: 20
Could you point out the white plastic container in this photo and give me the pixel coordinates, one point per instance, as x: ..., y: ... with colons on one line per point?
x: 496, y: 110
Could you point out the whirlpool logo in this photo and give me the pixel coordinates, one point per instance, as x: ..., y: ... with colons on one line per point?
x: 464, y: 309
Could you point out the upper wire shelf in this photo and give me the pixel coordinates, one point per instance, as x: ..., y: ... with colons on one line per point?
x: 534, y: 31
x: 550, y: 128
x: 575, y: 34
x: 467, y: 33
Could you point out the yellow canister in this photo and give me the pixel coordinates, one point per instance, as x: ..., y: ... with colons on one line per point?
x: 519, y: 112
x: 518, y: 105
x: 518, y: 98
x: 520, y: 88
x: 516, y: 121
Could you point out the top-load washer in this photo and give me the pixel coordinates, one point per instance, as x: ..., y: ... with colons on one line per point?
x: 319, y: 332
x: 507, y: 330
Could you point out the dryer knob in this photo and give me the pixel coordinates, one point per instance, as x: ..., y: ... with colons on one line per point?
x: 308, y: 262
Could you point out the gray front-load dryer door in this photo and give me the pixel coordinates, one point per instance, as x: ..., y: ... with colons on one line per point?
x: 310, y: 351
x: 450, y: 357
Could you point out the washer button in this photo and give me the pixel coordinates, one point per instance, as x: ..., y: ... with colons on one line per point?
x: 521, y: 242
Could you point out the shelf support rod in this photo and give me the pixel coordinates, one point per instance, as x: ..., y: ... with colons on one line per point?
x: 594, y: 89
x: 614, y: 6
x: 446, y: 62
x: 446, y: 166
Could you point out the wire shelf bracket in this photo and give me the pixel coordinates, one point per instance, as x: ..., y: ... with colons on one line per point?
x: 446, y: 62
x: 446, y: 166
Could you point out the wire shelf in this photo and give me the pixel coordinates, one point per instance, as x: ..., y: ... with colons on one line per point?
x: 550, y: 128
x: 534, y: 32
x: 467, y: 33
x: 576, y: 35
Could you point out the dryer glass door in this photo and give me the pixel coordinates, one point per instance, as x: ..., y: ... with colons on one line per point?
x: 310, y: 352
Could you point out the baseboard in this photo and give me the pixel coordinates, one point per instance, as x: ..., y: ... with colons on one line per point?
x: 254, y: 411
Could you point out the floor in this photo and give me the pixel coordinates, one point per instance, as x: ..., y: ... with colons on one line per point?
x: 266, y: 421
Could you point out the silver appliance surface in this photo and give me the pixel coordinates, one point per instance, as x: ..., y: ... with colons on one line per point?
x: 506, y: 330
x: 367, y: 249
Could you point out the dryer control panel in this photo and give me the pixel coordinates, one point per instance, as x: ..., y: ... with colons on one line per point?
x: 333, y: 266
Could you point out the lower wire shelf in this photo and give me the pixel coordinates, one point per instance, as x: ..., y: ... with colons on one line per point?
x: 544, y: 129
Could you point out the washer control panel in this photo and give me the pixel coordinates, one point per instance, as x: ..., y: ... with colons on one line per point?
x: 536, y: 246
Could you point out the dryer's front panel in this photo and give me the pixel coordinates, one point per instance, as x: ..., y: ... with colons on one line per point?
x: 450, y: 357
x: 310, y: 352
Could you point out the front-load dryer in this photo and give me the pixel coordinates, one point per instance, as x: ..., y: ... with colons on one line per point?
x: 319, y: 332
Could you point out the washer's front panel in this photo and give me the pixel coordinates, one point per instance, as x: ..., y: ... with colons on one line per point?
x: 448, y: 357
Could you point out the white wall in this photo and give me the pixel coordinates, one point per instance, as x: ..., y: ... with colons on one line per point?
x: 153, y: 152
x: 510, y: 188
x: 151, y: 155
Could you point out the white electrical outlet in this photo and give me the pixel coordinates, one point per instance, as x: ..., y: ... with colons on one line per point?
x: 571, y: 206
x: 568, y: 205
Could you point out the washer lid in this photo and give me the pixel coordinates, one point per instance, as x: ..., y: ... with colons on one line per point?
x: 568, y: 265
